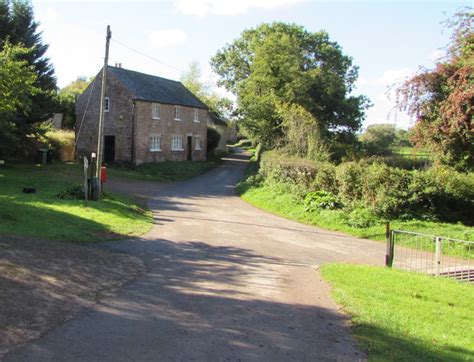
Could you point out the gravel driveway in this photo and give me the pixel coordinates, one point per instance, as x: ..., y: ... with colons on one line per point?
x: 224, y: 281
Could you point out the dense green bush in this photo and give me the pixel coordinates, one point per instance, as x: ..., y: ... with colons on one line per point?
x: 321, y: 200
x: 437, y: 193
x: 213, y: 138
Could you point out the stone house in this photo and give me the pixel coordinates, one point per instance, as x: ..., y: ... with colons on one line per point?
x: 147, y: 119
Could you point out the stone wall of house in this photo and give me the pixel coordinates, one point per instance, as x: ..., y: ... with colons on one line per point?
x: 117, y: 121
x: 166, y: 127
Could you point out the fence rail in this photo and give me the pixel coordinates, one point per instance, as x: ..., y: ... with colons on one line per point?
x: 429, y: 254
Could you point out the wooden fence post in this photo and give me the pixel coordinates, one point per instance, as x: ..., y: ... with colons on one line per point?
x: 390, y: 246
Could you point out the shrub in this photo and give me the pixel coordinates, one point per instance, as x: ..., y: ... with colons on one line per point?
x: 213, y: 138
x: 438, y: 193
x: 73, y: 192
x: 361, y: 217
x: 349, y: 177
x: 320, y: 200
x: 325, y: 178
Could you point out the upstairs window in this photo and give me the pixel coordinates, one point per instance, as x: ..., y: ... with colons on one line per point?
x: 196, y: 115
x: 176, y: 143
x: 155, y: 143
x: 177, y: 113
x: 155, y: 111
x: 106, y: 104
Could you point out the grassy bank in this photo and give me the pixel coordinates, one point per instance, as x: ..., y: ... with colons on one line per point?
x: 277, y: 199
x: 400, y: 316
x: 44, y: 215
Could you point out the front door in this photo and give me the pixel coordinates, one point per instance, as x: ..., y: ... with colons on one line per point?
x: 190, y: 148
x: 109, y: 148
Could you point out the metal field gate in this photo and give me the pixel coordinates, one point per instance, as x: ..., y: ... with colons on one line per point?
x: 433, y: 255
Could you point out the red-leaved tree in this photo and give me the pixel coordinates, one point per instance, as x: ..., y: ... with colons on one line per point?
x: 442, y: 99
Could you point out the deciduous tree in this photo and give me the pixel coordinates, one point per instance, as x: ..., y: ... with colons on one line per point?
x: 284, y: 63
x: 441, y: 100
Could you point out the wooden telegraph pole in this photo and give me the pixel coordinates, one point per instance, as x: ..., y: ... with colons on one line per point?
x: 96, y: 182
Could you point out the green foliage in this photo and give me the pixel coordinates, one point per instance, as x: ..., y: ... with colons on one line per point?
x: 213, y: 139
x: 361, y: 218
x: 284, y: 200
x: 401, y: 316
x: 67, y: 100
x: 284, y: 63
x: 302, y: 133
x: 377, y: 139
x: 440, y: 100
x: 438, y: 193
x: 318, y: 200
x: 17, y: 85
x: 72, y: 192
x: 18, y: 27
x: 192, y: 79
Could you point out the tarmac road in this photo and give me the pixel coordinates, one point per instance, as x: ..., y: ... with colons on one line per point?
x: 225, y: 281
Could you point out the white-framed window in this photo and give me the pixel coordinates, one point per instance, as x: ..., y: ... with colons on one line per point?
x: 177, y: 143
x: 155, y: 143
x: 196, y: 115
x: 106, y: 104
x: 155, y: 111
x: 197, y: 142
x: 177, y: 113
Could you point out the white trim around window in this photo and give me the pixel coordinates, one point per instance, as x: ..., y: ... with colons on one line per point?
x: 106, y: 104
x: 155, y: 143
x: 155, y: 111
x: 197, y: 142
x: 177, y: 143
x: 196, y: 115
x: 177, y: 113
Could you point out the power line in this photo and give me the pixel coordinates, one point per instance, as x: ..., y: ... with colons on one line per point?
x: 146, y: 55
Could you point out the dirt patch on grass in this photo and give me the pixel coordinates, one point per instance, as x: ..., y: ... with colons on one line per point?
x: 44, y: 283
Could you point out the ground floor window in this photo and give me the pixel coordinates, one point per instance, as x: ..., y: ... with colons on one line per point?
x: 176, y: 143
x: 155, y: 143
x: 198, y: 142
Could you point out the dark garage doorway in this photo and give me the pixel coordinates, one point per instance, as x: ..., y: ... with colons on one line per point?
x: 109, y: 148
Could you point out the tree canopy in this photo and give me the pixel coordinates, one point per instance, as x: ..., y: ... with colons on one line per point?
x: 192, y: 79
x: 441, y: 100
x: 20, y: 38
x: 280, y: 63
x: 17, y: 85
x: 67, y: 100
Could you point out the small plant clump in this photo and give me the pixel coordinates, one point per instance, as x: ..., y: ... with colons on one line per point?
x: 73, y: 192
x: 318, y: 200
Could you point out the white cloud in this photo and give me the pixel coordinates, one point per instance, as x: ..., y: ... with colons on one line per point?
x: 227, y: 7
x: 391, y: 76
x: 167, y: 37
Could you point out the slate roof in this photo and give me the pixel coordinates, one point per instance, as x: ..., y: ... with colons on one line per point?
x: 147, y: 87
x: 216, y: 119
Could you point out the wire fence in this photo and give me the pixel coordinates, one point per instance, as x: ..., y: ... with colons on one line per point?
x: 433, y: 255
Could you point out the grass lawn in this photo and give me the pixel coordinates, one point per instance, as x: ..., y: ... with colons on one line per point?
x: 277, y: 201
x: 401, y: 316
x: 412, y: 152
x: 163, y: 171
x: 45, y: 216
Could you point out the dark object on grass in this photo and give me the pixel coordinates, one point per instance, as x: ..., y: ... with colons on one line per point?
x: 29, y: 190
x: 74, y: 192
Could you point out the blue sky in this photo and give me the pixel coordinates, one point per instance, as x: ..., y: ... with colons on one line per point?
x: 387, y: 40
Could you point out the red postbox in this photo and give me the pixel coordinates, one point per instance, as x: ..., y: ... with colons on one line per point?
x: 103, y: 174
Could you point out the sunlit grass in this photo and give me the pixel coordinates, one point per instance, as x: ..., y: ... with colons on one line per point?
x: 401, y: 316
